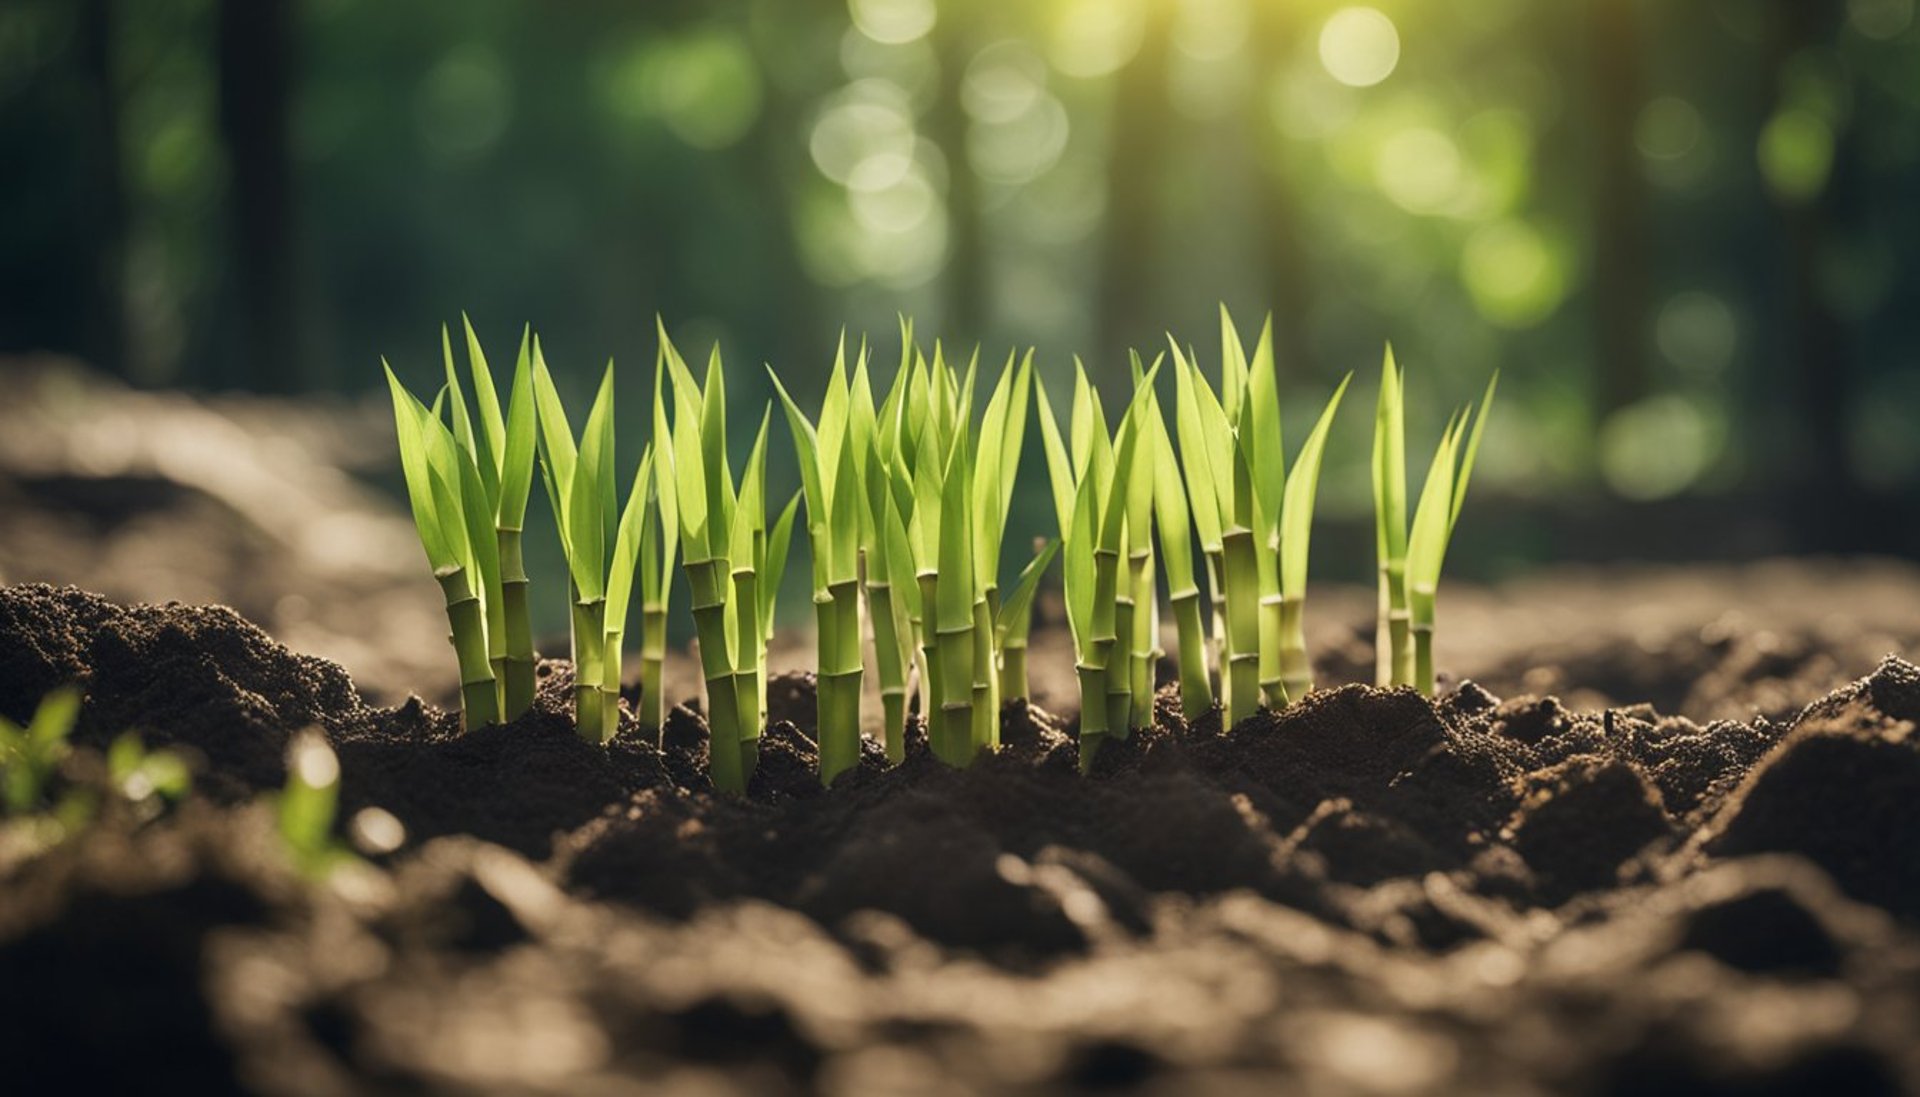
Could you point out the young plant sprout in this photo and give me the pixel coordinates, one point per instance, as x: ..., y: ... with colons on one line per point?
x: 501, y: 448
x: 1410, y: 561
x: 892, y: 588
x: 831, y: 461
x: 455, y: 520
x: 1176, y: 550
x: 727, y: 552
x: 306, y: 805
x: 30, y: 755
x: 1092, y: 487
x: 659, y: 545
x: 602, y: 556
x: 1258, y: 513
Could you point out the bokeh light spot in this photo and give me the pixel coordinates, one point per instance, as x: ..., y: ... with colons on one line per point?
x: 1419, y: 169
x: 1697, y: 332
x: 1796, y: 153
x: 1668, y: 128
x: 893, y: 21
x: 1095, y: 37
x: 464, y: 102
x: 1515, y: 276
x: 1659, y: 447
x: 704, y: 87
x: 1880, y: 19
x: 1359, y: 46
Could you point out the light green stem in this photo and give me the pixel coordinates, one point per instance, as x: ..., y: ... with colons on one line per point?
x: 1243, y: 625
x: 986, y: 714
x: 1296, y: 670
x: 1196, y: 696
x: 589, y: 668
x: 1093, y: 712
x: 890, y: 662
x: 1013, y: 670
x: 479, y: 696
x: 517, y: 667
x: 841, y: 673
x: 724, y: 756
x: 1144, y: 640
x: 1421, y: 627
x: 653, y: 658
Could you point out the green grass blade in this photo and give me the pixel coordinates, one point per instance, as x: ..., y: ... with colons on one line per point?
x: 713, y: 454
x: 1060, y: 469
x: 1473, y: 451
x: 1302, y: 485
x: 518, y: 443
x: 813, y: 483
x: 409, y: 420
x: 1390, y: 464
x: 625, y: 564
x: 588, y: 513
x: 492, y: 435
x: 556, y: 434
x: 1268, y: 450
x: 462, y: 424
x: 1016, y: 610
x: 775, y: 568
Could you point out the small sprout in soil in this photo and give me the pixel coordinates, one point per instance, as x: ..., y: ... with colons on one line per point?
x: 147, y: 778
x: 500, y: 446
x: 831, y: 458
x: 603, y: 553
x: 733, y: 564
x: 1254, y: 518
x: 305, y: 806
x: 1410, y: 560
x: 1092, y: 476
x: 659, y: 547
x: 30, y: 756
x: 892, y: 586
x: 469, y: 487
x: 960, y: 491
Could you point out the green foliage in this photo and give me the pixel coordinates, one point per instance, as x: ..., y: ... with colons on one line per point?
x: 724, y: 547
x: 31, y: 755
x: 601, y: 540
x: 1410, y: 560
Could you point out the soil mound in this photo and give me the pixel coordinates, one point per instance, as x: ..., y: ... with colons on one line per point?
x: 1367, y: 892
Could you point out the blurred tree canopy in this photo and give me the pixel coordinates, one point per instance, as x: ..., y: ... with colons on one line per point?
x: 1687, y: 230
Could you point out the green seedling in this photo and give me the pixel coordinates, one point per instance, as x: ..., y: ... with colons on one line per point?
x: 892, y: 586
x: 603, y: 555
x: 468, y: 486
x: 30, y: 756
x: 733, y: 564
x: 1410, y: 560
x: 832, y: 459
x: 659, y: 547
x: 1254, y: 517
x: 500, y: 445
x: 142, y: 776
x: 304, y: 809
x: 1093, y: 477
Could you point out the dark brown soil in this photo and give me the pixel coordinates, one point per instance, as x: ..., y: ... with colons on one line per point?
x: 1366, y: 893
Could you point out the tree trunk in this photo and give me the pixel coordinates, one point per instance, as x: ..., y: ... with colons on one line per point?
x: 1620, y: 252
x: 104, y: 342
x: 255, y: 58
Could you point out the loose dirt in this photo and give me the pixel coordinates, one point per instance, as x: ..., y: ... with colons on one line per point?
x: 1365, y: 893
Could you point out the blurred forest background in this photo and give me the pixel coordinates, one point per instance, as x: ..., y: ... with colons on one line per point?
x: 1688, y: 231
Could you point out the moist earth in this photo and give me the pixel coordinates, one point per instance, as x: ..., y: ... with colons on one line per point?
x: 1368, y: 892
